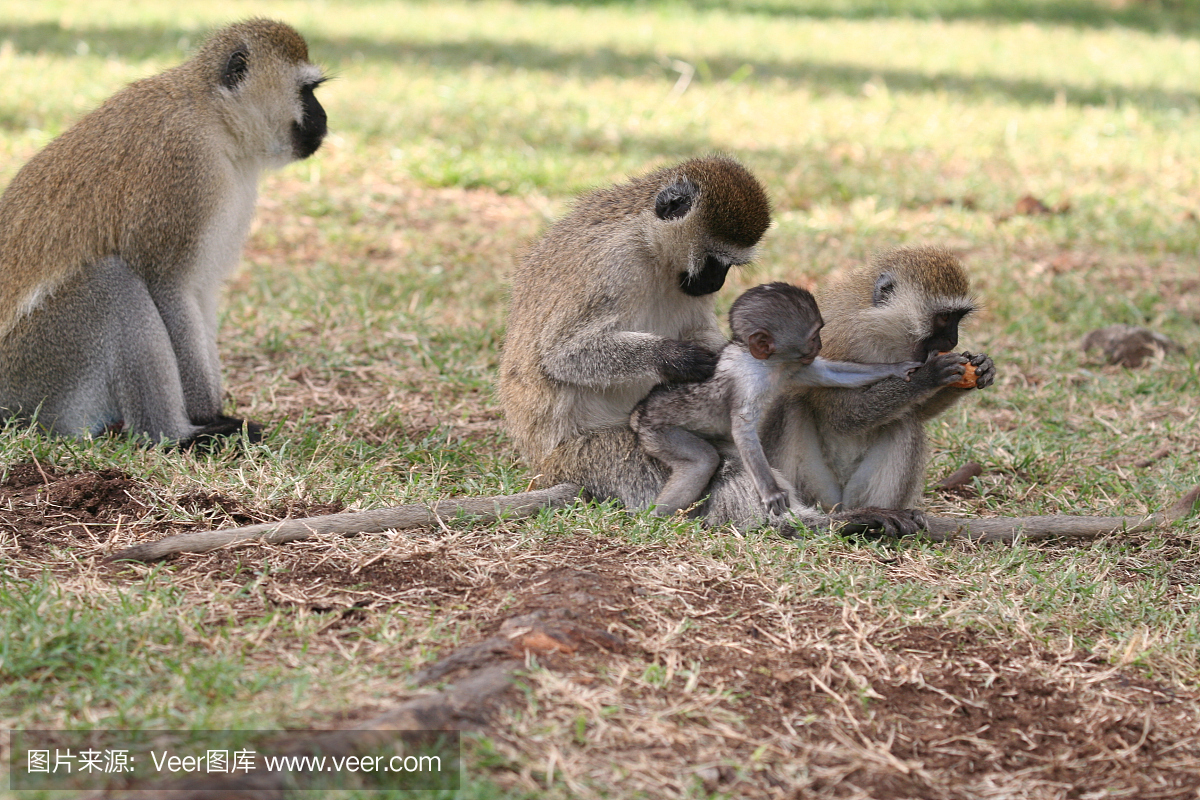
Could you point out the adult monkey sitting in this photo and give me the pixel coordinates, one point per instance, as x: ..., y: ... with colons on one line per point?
x: 115, y: 238
x: 616, y: 298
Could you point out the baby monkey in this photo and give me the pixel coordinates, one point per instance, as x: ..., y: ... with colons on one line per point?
x: 776, y: 341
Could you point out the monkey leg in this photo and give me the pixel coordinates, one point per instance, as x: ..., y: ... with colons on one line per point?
x: 96, y: 355
x: 692, y: 460
x: 609, y: 464
x: 890, y: 473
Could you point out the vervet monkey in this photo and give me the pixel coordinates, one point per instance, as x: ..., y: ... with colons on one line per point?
x: 115, y: 238
x: 775, y: 346
x: 615, y: 299
x: 845, y: 447
x: 572, y: 426
x: 866, y: 446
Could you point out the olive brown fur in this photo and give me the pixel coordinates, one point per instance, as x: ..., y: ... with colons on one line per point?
x: 116, y: 237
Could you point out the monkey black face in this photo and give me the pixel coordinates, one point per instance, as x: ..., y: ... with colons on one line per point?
x: 708, y: 279
x: 308, y: 134
x: 943, y: 333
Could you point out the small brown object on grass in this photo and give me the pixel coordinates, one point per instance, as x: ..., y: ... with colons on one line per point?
x: 1130, y: 346
x: 961, y: 477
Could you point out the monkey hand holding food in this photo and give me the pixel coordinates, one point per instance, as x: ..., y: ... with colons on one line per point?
x: 115, y: 238
x: 978, y: 372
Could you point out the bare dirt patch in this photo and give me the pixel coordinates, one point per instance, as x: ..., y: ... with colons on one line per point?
x: 43, y: 507
x: 663, y: 672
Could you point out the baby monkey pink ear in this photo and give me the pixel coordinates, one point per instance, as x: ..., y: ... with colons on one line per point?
x: 761, y: 343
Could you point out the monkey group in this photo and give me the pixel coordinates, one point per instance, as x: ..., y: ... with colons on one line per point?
x: 776, y: 338
x: 614, y: 377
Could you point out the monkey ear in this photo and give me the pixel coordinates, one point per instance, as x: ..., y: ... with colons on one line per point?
x: 235, y: 68
x: 675, y: 201
x: 885, y: 287
x: 761, y: 343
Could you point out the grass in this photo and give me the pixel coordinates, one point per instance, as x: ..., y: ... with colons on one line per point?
x: 365, y: 322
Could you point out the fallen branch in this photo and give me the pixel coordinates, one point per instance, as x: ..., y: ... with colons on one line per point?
x: 479, y: 509
x: 1053, y: 526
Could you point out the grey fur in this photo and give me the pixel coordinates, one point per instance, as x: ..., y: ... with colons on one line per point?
x: 776, y: 341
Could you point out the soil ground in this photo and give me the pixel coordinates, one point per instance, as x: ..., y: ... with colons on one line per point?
x: 653, y: 667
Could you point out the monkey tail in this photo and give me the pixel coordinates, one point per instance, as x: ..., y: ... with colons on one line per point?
x: 1010, y: 529
x: 481, y: 509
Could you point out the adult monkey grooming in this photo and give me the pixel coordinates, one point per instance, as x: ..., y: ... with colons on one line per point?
x: 115, y: 238
x: 617, y: 298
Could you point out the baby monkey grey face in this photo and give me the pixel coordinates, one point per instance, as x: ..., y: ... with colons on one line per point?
x: 780, y: 320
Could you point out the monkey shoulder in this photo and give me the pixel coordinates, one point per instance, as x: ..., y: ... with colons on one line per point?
x: 751, y: 380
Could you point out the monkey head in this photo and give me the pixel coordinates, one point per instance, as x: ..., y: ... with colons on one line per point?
x: 778, y: 320
x: 712, y: 213
x: 907, y: 304
x: 262, y: 83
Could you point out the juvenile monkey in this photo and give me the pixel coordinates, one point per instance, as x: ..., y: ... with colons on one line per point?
x: 615, y: 299
x: 867, y: 446
x: 776, y: 340
x: 115, y: 238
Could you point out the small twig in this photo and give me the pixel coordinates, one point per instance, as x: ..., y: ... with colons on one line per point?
x: 961, y: 477
x: 1157, y: 455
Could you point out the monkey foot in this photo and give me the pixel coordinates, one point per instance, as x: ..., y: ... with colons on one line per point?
x: 216, y: 434
x: 884, y: 522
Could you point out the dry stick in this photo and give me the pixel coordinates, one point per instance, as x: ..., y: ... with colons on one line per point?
x: 482, y: 509
x: 1160, y: 453
x: 526, y: 504
x: 961, y: 477
x: 1009, y: 529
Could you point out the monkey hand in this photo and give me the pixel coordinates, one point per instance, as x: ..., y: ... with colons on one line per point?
x: 905, y: 369
x: 985, y: 369
x: 888, y: 522
x: 776, y: 501
x: 940, y: 369
x: 686, y: 362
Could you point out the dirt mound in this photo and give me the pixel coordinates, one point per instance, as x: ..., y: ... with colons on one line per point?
x: 43, y: 506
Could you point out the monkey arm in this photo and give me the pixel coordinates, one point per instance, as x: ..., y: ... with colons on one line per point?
x: 855, y: 411
x: 822, y: 372
x: 599, y: 359
x: 193, y: 334
x: 745, y: 435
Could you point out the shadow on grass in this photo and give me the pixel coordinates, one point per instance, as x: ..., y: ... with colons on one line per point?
x: 821, y: 78
x: 1158, y: 16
